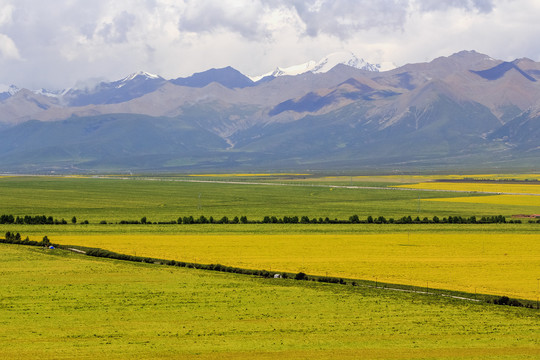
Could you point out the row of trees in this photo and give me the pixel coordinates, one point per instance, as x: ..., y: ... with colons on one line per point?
x: 354, y: 219
x: 35, y: 220
x: 15, y: 238
x: 436, y: 220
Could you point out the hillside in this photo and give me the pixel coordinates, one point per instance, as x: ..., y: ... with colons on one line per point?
x: 465, y: 110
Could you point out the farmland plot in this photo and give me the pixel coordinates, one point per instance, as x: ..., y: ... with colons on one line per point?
x: 475, y: 261
x: 66, y: 306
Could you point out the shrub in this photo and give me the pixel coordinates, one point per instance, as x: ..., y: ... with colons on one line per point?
x: 202, y: 220
x: 503, y: 300
x: 381, y: 220
x: 301, y: 276
x: 224, y: 220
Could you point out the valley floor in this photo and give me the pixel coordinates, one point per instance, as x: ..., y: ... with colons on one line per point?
x: 63, y: 306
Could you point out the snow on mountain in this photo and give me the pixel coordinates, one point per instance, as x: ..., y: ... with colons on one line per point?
x: 344, y: 57
x: 8, y: 91
x: 325, y: 65
x: 291, y: 70
x: 138, y: 75
x: 11, y: 89
x: 49, y: 93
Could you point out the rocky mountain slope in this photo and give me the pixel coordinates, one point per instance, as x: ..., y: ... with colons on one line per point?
x: 464, y: 110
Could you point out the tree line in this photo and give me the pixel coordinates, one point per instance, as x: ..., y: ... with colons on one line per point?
x: 354, y: 219
x: 35, y: 220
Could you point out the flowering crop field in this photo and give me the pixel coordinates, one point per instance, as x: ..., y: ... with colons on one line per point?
x: 59, y: 305
x: 489, y: 261
x: 477, y: 186
x: 55, y: 304
x: 495, y: 259
x: 530, y: 203
x: 412, y: 179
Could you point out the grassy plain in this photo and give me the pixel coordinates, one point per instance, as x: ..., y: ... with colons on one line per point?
x: 164, y: 200
x: 495, y: 258
x: 65, y: 306
x: 486, y: 262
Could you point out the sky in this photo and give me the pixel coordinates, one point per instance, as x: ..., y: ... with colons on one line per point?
x: 57, y: 44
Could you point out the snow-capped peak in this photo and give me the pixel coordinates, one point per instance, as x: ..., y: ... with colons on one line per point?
x: 11, y: 89
x: 140, y: 74
x: 49, y: 93
x: 344, y: 57
x: 143, y: 74
x: 326, y: 64
x: 291, y: 70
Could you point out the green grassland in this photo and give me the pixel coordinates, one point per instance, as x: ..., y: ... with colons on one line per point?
x: 60, y: 305
x: 114, y: 200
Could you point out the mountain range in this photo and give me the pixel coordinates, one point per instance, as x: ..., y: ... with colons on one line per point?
x: 466, y: 111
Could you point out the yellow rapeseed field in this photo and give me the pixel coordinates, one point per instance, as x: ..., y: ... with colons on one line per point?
x: 518, y: 200
x: 484, y: 261
x: 478, y: 187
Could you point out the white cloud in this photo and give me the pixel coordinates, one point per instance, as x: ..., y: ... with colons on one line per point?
x: 483, y: 6
x: 75, y: 40
x: 6, y: 11
x: 343, y: 18
x: 207, y: 16
x: 8, y: 49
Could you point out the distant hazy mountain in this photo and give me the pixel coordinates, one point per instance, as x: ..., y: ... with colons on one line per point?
x: 466, y: 110
x: 7, y: 91
x: 324, y: 65
x: 228, y: 77
x: 130, y: 87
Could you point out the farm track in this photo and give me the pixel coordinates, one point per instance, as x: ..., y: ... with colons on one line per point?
x: 422, y: 292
